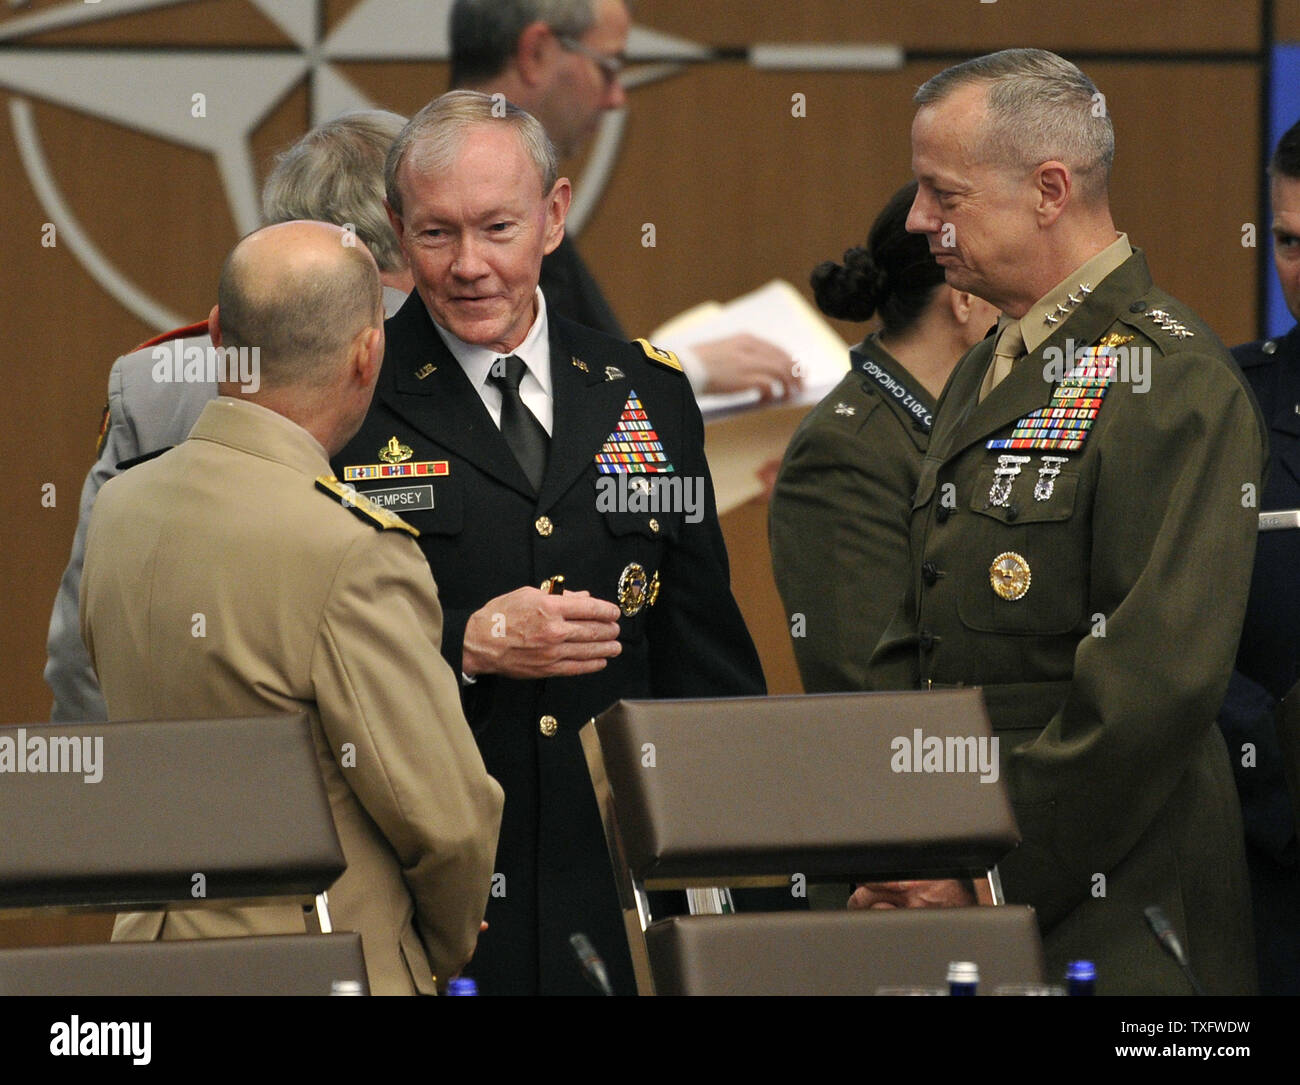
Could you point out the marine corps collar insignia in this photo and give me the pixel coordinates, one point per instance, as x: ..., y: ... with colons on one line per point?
x: 395, y: 452
x: 1009, y: 574
x: 1074, y: 297
x: 633, y: 590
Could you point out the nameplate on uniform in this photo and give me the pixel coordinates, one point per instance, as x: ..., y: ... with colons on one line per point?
x: 402, y: 498
x: 364, y: 471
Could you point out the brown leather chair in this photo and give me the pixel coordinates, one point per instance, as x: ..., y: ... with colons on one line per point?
x: 795, y: 790
x: 266, y: 965
x: 134, y: 816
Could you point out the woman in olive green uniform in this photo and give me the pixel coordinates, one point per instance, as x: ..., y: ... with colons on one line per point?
x: 839, y: 513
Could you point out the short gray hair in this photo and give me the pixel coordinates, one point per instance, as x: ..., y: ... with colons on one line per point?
x: 484, y: 33
x: 1040, y: 107
x: 301, y: 323
x: 335, y: 173
x: 438, y: 132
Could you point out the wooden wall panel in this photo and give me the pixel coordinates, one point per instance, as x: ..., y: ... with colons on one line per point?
x: 1185, y: 181
x: 60, y: 930
x: 1286, y: 20
x: 775, y: 195
x: 205, y: 22
x: 747, y: 192
x: 155, y: 210
x: 403, y: 87
x: 967, y: 26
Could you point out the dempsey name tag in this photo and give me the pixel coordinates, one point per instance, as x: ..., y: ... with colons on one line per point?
x: 402, y: 498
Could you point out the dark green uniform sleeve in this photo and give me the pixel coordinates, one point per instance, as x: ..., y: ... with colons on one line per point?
x: 839, y: 536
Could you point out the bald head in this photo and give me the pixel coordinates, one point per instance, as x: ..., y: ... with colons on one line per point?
x: 300, y: 292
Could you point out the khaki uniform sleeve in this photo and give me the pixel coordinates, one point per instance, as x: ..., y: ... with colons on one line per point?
x: 382, y: 684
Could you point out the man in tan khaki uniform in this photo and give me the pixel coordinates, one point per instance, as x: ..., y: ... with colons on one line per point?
x: 233, y: 576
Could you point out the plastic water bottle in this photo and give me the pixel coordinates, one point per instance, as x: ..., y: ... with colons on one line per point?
x: 1081, y: 978
x: 963, y: 977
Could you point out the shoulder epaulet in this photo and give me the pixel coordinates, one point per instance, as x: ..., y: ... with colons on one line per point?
x: 188, y: 332
x: 363, y: 507
x: 665, y: 358
x: 1162, y: 325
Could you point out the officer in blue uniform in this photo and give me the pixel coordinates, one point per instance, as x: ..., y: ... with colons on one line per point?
x: 1268, y: 657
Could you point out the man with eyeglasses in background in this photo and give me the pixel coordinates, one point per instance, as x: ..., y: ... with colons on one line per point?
x: 561, y: 60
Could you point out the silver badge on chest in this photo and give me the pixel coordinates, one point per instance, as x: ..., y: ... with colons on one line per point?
x: 1049, y: 468
x: 1004, y: 476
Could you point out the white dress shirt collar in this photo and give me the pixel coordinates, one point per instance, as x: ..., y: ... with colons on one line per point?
x: 535, y: 352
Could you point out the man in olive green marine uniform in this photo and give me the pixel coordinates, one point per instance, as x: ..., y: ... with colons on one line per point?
x: 1081, y: 537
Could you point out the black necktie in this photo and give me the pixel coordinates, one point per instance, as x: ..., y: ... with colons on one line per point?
x: 519, y: 426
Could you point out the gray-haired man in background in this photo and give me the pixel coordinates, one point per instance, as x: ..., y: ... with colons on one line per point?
x: 334, y: 173
x: 561, y: 60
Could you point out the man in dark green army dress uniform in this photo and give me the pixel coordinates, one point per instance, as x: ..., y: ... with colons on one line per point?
x: 1081, y: 537
x: 546, y: 468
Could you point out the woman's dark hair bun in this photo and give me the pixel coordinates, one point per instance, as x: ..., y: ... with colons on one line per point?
x: 851, y: 290
x: 892, y: 274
